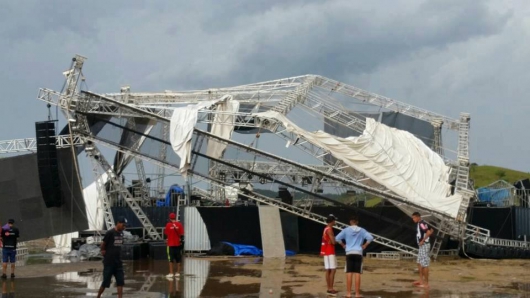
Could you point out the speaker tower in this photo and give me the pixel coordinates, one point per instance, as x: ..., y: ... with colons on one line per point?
x: 48, y: 164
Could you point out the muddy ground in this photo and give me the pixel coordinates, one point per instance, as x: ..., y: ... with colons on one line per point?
x: 303, y: 276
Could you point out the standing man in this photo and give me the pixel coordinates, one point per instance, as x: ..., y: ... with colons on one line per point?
x: 9, y: 236
x: 175, y: 244
x: 423, y: 233
x: 111, y: 252
x: 354, y: 236
x: 327, y: 250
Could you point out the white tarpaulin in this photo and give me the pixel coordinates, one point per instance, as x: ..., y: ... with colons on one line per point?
x: 181, y: 130
x: 223, y: 125
x: 391, y: 157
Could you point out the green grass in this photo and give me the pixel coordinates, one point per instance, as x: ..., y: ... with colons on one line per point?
x: 485, y: 175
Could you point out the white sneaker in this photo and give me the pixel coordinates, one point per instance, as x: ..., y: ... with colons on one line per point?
x: 177, y: 274
x: 169, y: 276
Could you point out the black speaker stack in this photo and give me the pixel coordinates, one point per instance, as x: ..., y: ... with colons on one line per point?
x: 48, y: 164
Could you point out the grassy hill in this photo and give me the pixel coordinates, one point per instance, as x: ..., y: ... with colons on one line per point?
x: 484, y: 175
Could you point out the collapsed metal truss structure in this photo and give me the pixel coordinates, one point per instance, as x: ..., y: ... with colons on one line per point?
x: 316, y: 96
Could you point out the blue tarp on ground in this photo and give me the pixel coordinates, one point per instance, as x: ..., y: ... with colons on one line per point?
x: 492, y: 195
x: 246, y: 250
x: 249, y: 250
x: 167, y: 201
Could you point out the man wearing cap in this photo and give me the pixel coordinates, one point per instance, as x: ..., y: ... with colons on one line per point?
x: 175, y: 242
x: 327, y: 250
x: 111, y: 252
x: 9, y: 236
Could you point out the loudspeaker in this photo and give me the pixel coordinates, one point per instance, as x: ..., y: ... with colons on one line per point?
x: 47, y: 163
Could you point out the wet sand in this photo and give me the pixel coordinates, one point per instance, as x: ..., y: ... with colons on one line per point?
x: 299, y: 276
x: 305, y: 275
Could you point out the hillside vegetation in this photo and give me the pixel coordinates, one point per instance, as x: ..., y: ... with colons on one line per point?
x: 485, y: 175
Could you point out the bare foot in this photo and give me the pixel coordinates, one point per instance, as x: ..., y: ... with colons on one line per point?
x: 423, y: 286
x: 418, y: 282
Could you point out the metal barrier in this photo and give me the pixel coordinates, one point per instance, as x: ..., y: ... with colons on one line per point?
x: 22, y: 253
x: 399, y: 255
x: 508, y: 243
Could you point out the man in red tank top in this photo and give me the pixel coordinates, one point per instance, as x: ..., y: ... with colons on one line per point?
x: 327, y: 250
x: 175, y: 237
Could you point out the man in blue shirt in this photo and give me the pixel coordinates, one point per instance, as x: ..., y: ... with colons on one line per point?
x: 355, y: 238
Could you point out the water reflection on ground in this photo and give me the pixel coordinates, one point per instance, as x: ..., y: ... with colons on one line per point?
x: 201, y: 278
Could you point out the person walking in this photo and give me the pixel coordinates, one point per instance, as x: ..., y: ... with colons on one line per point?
x: 423, y: 233
x: 327, y: 250
x: 9, y: 237
x: 111, y: 252
x: 357, y: 239
x: 175, y: 244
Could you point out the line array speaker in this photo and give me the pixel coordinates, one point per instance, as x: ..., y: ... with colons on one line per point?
x: 48, y: 164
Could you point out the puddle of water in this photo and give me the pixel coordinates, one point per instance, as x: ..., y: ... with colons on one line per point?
x: 200, y: 278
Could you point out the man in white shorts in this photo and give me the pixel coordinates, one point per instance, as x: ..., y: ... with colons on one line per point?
x: 327, y: 250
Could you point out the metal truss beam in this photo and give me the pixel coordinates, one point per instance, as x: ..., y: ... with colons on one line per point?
x: 270, y: 91
x: 283, y: 87
x: 157, y: 161
x: 162, y: 154
x: 329, y: 176
x: 257, y: 197
x: 30, y: 145
x: 385, y: 102
x: 275, y: 170
x: 123, y: 108
x: 102, y: 195
x: 95, y: 154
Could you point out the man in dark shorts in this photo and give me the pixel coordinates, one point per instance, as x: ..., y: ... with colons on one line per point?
x: 9, y: 236
x: 175, y: 244
x: 355, y: 238
x: 423, y: 232
x: 111, y: 252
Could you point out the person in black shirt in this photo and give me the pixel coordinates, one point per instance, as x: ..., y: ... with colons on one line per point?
x: 111, y: 252
x: 423, y: 233
x: 10, y: 236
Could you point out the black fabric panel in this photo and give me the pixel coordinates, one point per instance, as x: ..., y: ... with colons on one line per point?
x: 339, y: 130
x: 21, y: 198
x: 120, y: 162
x: 238, y: 225
x: 290, y: 230
x: 310, y: 232
x: 499, y: 221
x: 421, y: 129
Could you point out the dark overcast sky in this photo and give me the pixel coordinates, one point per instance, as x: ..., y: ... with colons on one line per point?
x: 446, y: 56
